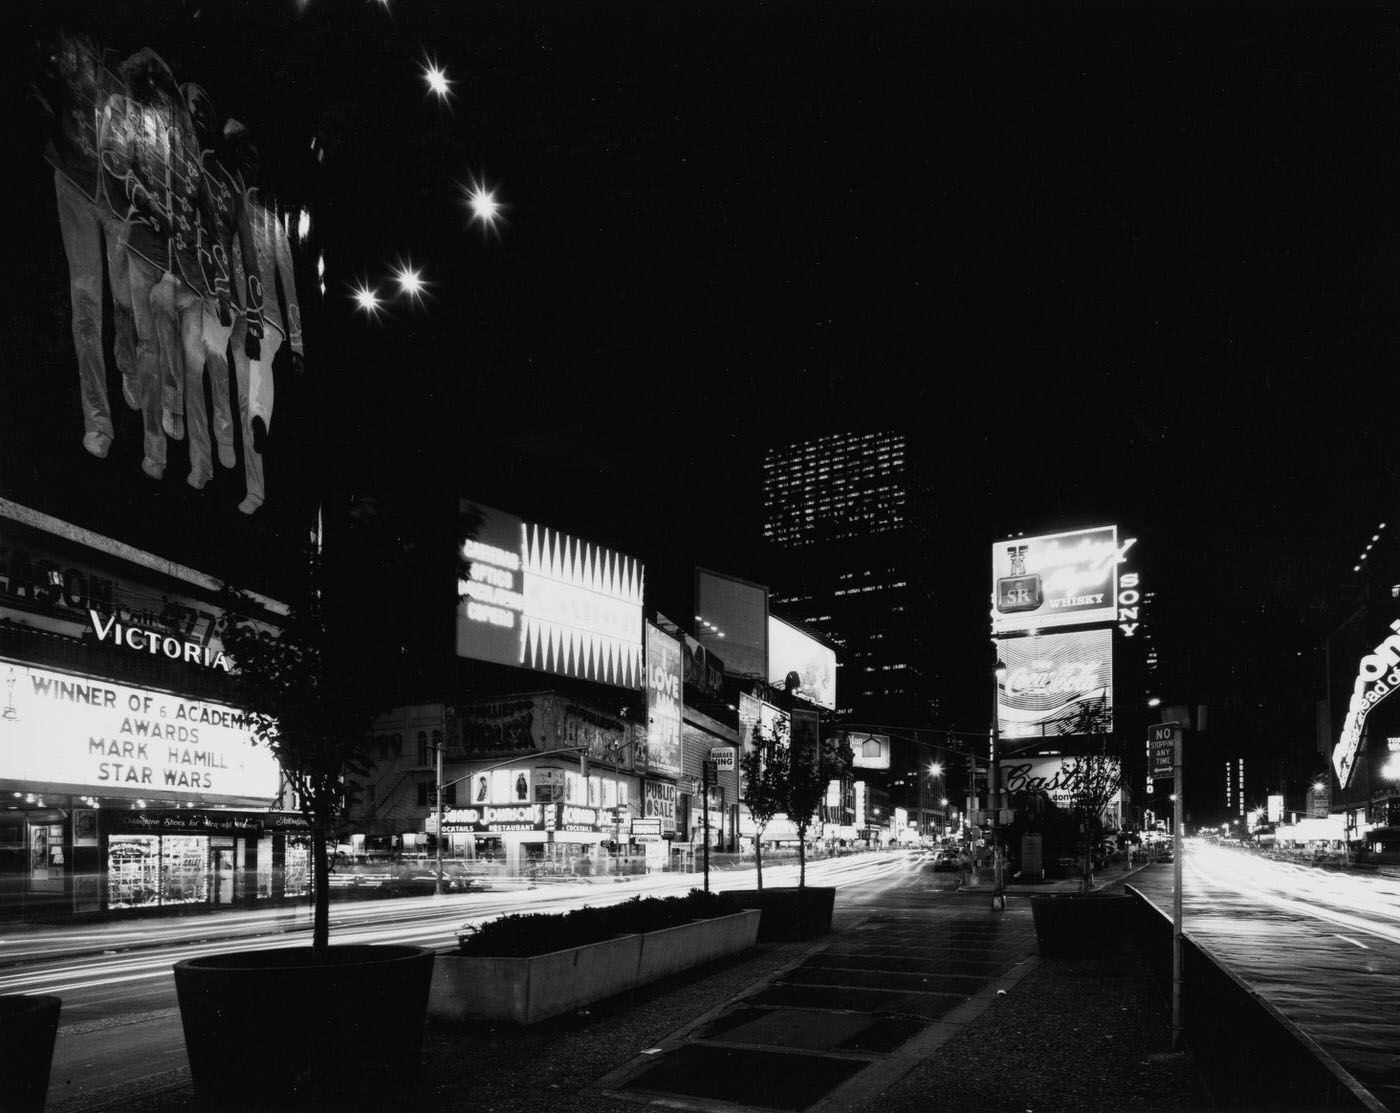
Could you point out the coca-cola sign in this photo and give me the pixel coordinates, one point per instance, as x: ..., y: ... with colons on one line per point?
x: 1056, y: 684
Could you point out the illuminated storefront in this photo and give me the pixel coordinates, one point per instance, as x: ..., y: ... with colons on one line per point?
x: 517, y: 794
x: 129, y: 780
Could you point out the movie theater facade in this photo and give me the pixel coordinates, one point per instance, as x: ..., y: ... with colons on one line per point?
x: 129, y: 779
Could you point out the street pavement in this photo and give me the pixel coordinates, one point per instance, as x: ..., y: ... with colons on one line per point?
x: 923, y: 998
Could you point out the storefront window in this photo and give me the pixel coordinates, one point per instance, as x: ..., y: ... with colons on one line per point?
x: 297, y: 880
x: 46, y: 857
x: 133, y: 871
x: 184, y: 861
x: 265, y: 866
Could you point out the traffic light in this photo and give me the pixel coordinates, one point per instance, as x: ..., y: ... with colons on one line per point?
x: 583, y: 765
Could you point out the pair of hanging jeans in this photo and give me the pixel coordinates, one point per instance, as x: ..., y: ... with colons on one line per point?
x: 207, y: 351
x: 255, y: 397
x: 160, y: 303
x: 90, y: 232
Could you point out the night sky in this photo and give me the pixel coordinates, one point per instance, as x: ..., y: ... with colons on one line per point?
x: 1131, y: 263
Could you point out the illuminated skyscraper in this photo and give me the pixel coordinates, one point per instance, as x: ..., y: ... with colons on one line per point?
x: 847, y: 520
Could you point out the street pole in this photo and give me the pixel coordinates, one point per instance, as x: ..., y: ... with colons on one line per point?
x: 998, y: 891
x: 442, y: 741
x: 705, y: 809
x: 1176, y: 895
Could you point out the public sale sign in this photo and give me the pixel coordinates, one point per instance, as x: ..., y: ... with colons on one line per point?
x: 82, y: 735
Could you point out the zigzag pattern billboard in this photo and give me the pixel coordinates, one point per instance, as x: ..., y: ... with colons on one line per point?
x: 535, y: 598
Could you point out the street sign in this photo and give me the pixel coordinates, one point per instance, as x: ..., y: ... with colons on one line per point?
x: 723, y: 757
x: 1162, y: 740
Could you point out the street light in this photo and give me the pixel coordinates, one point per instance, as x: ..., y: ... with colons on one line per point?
x: 935, y: 769
x: 998, y: 889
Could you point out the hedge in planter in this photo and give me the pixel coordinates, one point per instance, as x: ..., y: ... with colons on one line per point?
x: 538, y: 933
x: 528, y: 968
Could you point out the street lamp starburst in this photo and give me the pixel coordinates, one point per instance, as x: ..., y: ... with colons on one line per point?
x: 485, y: 208
x: 410, y: 281
x: 436, y: 77
x: 367, y: 300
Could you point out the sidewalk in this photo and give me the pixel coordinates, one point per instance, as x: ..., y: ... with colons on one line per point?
x: 927, y: 1000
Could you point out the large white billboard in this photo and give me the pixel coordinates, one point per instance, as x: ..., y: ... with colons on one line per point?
x: 731, y: 619
x: 1056, y: 684
x: 791, y: 650
x: 536, y: 598
x: 1057, y: 579
x: 79, y: 735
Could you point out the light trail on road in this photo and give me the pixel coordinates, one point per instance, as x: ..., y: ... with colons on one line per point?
x: 1275, y: 925
x: 428, y: 921
x: 120, y: 1022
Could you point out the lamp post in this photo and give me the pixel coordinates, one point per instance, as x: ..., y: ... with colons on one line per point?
x: 998, y: 884
x: 437, y: 840
x: 935, y: 769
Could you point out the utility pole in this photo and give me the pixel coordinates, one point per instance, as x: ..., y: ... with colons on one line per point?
x: 1176, y: 890
x: 437, y: 841
x: 998, y: 883
x: 705, y: 810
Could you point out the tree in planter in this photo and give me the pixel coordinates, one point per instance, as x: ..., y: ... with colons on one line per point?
x: 313, y: 684
x: 803, y: 790
x: 763, y: 772
x: 1096, y: 778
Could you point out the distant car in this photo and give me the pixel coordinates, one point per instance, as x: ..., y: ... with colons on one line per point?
x: 945, y: 860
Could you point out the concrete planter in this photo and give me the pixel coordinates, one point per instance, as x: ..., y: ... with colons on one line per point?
x: 1076, y: 924
x: 789, y: 912
x: 673, y: 949
x: 276, y: 1029
x: 28, y: 1025
x: 531, y: 989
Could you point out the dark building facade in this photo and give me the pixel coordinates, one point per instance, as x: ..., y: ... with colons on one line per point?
x: 846, y: 519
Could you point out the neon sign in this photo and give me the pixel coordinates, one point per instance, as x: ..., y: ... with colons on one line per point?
x: 1373, y: 684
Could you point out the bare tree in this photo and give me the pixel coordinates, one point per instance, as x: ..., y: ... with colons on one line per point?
x: 1094, y: 778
